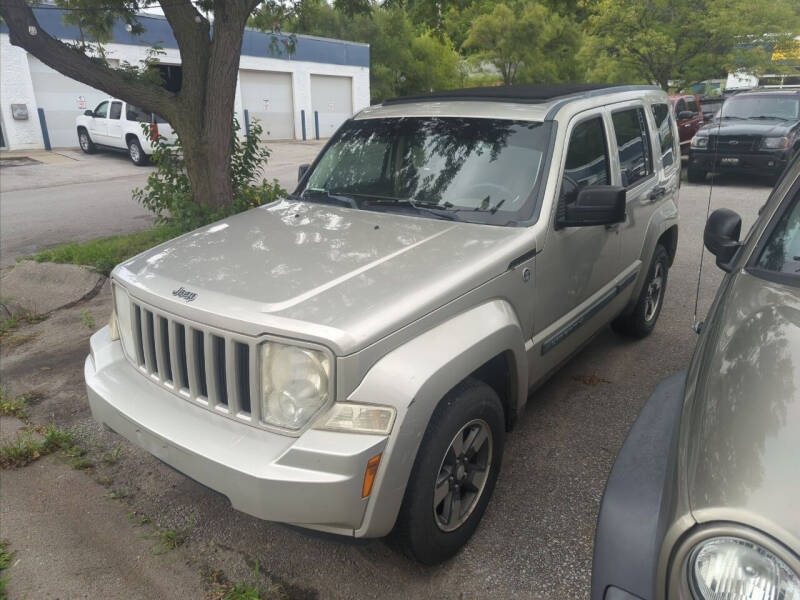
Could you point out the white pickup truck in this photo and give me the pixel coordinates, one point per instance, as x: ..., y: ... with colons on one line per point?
x: 117, y: 125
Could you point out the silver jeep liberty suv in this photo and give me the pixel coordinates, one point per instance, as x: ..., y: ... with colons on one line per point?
x: 350, y: 358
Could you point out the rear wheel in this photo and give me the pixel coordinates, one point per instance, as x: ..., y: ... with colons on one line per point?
x: 136, y: 153
x: 642, y: 320
x: 85, y: 141
x: 454, y: 474
x: 696, y: 175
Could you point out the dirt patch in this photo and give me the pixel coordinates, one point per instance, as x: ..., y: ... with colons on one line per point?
x: 41, y: 288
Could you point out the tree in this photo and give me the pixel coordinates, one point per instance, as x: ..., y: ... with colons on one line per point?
x: 201, y: 112
x: 527, y: 43
x: 683, y: 40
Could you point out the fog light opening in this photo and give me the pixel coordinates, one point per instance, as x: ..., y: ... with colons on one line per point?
x: 369, y: 475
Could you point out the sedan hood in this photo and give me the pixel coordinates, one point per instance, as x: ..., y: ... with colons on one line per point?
x: 341, y: 276
x: 743, y: 434
x: 760, y: 127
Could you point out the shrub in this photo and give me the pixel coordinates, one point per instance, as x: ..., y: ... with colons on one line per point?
x: 168, y: 193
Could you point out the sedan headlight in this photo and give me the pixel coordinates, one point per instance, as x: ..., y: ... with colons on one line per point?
x: 775, y: 142
x: 294, y: 384
x: 731, y: 568
x: 700, y: 141
x: 121, y: 320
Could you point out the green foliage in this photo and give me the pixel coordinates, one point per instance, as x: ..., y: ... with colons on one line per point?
x: 6, y: 556
x: 87, y: 320
x: 168, y: 193
x: 105, y: 253
x: 28, y: 447
x: 169, y: 539
x: 13, y: 407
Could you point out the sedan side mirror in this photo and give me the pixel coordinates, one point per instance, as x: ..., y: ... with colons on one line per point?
x: 593, y: 205
x: 685, y: 114
x: 721, y: 236
x: 88, y: 113
x: 301, y: 171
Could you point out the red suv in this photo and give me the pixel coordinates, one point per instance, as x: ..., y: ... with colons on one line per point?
x: 689, y: 114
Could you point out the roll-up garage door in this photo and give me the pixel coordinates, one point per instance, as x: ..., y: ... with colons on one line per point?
x: 267, y: 96
x: 62, y: 99
x: 332, y: 99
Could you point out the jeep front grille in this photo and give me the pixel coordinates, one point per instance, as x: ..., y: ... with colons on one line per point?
x: 212, y: 368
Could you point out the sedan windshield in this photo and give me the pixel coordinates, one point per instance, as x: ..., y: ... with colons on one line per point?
x: 466, y: 169
x: 785, y: 108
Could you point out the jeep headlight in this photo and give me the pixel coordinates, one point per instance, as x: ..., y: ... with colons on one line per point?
x: 121, y: 320
x: 350, y: 417
x: 700, y: 141
x: 294, y: 384
x: 731, y: 568
x: 774, y: 142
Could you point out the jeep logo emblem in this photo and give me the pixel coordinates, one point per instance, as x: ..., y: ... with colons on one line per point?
x: 184, y: 294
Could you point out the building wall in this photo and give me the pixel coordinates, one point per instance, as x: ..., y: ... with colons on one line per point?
x: 16, y: 86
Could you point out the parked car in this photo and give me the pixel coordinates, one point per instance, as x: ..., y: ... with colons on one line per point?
x: 755, y: 132
x: 702, y: 501
x: 117, y: 125
x: 350, y: 358
x: 690, y: 117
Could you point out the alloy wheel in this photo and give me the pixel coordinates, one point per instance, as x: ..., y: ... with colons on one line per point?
x: 654, y: 292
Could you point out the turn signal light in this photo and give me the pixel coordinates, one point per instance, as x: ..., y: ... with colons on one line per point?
x: 369, y: 475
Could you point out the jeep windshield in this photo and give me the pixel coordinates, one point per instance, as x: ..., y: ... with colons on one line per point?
x: 465, y: 169
x: 782, y: 108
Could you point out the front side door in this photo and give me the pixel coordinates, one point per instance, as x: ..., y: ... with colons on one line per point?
x: 114, y: 123
x: 98, y: 124
x: 576, y: 265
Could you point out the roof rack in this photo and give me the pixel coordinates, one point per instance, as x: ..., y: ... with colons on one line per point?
x: 528, y: 94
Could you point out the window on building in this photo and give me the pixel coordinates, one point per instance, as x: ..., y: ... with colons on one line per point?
x: 630, y: 129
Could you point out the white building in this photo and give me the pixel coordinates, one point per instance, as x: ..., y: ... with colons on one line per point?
x: 305, y: 94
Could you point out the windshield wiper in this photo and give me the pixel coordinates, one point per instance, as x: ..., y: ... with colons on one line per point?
x: 436, y: 211
x: 770, y: 117
x: 732, y: 117
x: 316, y: 194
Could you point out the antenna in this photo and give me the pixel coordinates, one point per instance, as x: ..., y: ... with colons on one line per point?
x: 697, y: 326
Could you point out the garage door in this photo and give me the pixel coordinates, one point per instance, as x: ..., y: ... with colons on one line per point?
x: 267, y: 96
x: 62, y: 99
x: 332, y: 99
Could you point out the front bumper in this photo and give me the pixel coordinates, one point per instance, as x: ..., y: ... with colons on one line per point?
x: 314, y: 480
x: 764, y: 162
x: 635, y: 511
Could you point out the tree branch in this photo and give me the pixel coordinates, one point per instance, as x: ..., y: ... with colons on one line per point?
x: 77, y: 65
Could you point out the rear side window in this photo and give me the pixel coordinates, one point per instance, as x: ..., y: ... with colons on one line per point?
x: 663, y: 119
x: 781, y: 254
x: 134, y: 113
x: 630, y: 129
x: 587, y: 156
x: 116, y: 110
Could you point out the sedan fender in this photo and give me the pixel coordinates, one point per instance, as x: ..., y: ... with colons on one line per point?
x: 416, y: 376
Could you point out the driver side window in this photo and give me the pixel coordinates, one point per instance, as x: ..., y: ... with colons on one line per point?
x: 587, y: 158
x: 101, y: 111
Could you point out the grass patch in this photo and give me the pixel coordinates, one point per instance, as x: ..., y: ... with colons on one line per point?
x: 5, y: 559
x: 224, y: 589
x: 28, y: 447
x: 87, y: 319
x: 118, y: 493
x: 169, y: 539
x: 13, y: 407
x: 103, y: 254
x: 11, y: 323
x: 112, y: 458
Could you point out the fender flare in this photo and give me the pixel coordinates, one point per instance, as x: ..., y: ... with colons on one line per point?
x: 414, y: 377
x: 664, y: 218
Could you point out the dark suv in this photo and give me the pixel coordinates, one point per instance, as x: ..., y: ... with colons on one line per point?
x: 756, y: 132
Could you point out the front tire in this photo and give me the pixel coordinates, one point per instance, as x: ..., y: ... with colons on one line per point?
x: 454, y: 474
x: 136, y: 153
x: 641, y: 321
x: 85, y: 142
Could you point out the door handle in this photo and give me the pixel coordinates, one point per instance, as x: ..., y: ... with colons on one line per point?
x: 657, y: 192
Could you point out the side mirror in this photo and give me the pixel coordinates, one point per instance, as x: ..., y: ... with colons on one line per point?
x: 685, y: 114
x: 593, y: 205
x: 301, y: 171
x: 88, y: 113
x: 721, y: 236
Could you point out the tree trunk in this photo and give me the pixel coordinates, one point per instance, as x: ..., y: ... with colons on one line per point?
x: 201, y: 113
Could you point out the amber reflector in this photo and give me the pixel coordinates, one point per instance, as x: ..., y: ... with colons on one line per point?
x: 369, y: 475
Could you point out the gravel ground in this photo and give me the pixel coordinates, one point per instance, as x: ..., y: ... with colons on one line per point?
x: 535, y: 540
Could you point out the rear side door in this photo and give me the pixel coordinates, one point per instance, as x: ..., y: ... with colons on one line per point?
x: 98, y: 123
x: 116, y: 135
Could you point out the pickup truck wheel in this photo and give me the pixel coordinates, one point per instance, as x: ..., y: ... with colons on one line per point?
x: 86, y: 142
x: 696, y: 175
x: 453, y: 475
x: 642, y: 320
x: 136, y: 153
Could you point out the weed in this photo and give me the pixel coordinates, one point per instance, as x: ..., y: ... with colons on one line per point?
x: 224, y: 589
x: 5, y: 559
x: 12, y: 341
x: 56, y: 438
x: 13, y: 407
x: 104, y: 480
x: 9, y: 324
x: 27, y: 448
x: 112, y: 458
x: 169, y: 539
x: 87, y: 320
x: 118, y: 493
x: 82, y: 463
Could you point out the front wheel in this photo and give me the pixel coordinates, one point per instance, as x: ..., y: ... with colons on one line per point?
x: 136, y: 153
x: 641, y: 321
x: 86, y: 142
x: 454, y: 474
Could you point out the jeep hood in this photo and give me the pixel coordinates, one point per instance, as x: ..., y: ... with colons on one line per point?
x: 341, y: 276
x: 742, y: 440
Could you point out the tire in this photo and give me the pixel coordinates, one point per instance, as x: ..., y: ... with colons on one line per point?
x: 431, y: 534
x: 136, y: 153
x: 85, y: 142
x: 696, y: 175
x: 640, y: 322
